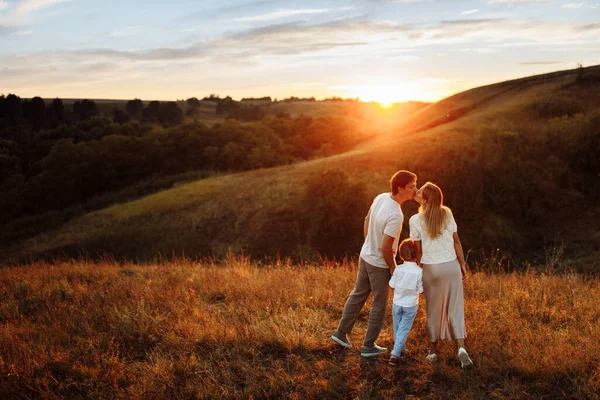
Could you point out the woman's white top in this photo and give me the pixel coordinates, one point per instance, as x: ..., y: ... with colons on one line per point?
x: 438, y: 250
x: 407, y: 283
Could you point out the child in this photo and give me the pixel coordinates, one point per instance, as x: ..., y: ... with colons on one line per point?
x: 407, y: 283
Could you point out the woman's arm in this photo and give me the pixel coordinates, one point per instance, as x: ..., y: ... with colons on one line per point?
x: 459, y: 253
x: 419, y: 252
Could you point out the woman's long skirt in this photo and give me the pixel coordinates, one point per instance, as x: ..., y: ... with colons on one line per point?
x: 442, y: 284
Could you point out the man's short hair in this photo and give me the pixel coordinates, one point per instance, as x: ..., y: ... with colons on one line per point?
x: 401, y: 179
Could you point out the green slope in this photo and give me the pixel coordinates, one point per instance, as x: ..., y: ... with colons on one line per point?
x: 501, y: 153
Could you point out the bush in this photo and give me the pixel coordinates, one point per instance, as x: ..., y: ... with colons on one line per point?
x: 334, y: 206
x: 555, y: 107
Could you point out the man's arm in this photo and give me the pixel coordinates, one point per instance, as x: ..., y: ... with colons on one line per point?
x: 387, y: 252
x: 366, y: 224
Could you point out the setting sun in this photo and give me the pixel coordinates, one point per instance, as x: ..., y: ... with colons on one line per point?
x: 387, y: 95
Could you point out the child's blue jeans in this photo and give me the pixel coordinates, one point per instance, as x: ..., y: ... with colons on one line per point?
x: 403, y: 322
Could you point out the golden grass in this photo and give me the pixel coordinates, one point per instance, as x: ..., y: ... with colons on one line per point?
x: 233, y: 329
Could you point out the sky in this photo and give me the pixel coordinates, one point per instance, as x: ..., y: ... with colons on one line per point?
x: 377, y: 50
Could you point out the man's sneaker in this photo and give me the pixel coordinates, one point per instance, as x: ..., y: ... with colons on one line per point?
x: 465, y: 361
x: 394, y: 360
x: 432, y: 357
x: 342, y: 340
x: 372, y: 351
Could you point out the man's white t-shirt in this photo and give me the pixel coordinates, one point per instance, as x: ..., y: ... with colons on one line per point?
x: 407, y: 283
x: 386, y: 217
x: 438, y: 250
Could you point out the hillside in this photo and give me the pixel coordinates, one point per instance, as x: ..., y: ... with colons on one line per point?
x: 240, y: 330
x: 517, y: 161
x: 205, y: 111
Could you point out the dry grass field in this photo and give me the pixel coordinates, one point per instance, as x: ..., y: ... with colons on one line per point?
x: 183, y: 329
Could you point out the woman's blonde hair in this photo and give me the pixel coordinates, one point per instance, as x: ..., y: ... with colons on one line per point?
x: 434, y: 213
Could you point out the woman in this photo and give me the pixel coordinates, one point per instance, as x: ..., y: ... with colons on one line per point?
x: 439, y: 251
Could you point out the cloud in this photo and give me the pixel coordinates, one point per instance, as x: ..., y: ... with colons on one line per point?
x: 401, y: 1
x: 26, y: 7
x: 340, y: 37
x: 296, y: 30
x: 587, y: 28
x: 482, y: 50
x: 573, y: 5
x: 158, y: 54
x: 23, y: 33
x: 6, y: 31
x: 517, y: 2
x: 127, y: 31
x: 517, y: 44
x: 468, y: 22
x: 225, y: 11
x: 310, y: 84
x: 541, y: 63
x: 453, y: 29
x: 469, y: 12
x: 283, y: 13
x: 21, y: 14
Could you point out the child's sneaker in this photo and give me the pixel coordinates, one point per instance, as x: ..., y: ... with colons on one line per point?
x: 432, y: 357
x: 394, y: 360
x: 465, y: 360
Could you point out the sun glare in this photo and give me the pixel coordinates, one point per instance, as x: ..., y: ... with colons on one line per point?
x: 387, y: 95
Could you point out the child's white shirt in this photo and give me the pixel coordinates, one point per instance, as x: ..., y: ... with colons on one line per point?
x: 407, y: 283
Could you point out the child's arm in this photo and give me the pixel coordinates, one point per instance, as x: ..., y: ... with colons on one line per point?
x: 393, y: 281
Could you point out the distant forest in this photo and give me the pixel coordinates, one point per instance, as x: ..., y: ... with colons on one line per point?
x: 54, y: 154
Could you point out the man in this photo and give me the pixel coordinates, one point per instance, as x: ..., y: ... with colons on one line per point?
x: 377, y: 262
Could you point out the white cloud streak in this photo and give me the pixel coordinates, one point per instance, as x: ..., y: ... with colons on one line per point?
x: 573, y: 5
x: 402, y: 1
x: 482, y: 50
x: 517, y: 2
x: 22, y: 13
x: 283, y: 13
x: 541, y: 63
x: 127, y: 31
x: 26, y: 7
x: 469, y: 12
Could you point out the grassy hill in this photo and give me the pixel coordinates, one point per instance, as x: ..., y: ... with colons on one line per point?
x: 240, y: 330
x: 517, y: 161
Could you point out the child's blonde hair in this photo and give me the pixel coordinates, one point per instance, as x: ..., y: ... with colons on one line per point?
x: 408, y: 250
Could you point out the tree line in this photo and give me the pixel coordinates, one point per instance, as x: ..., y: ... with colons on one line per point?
x: 52, y: 156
